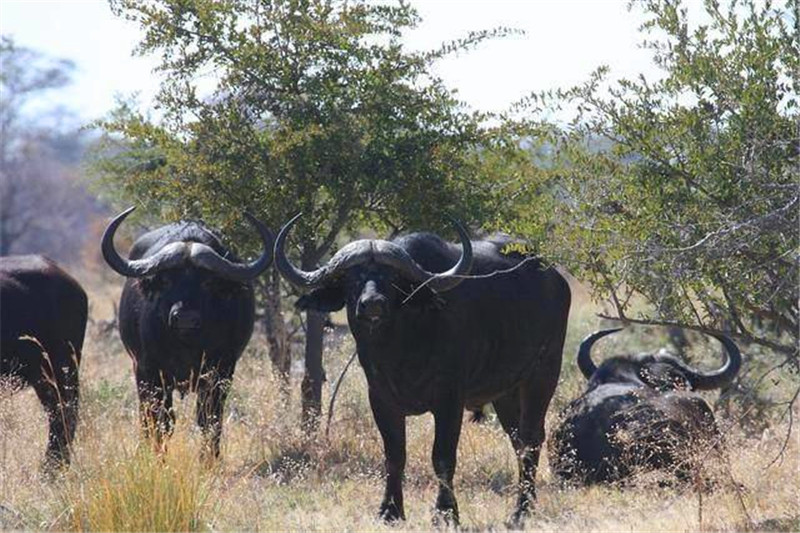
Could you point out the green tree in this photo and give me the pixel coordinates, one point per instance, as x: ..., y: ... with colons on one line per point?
x: 685, y: 189
x: 296, y: 105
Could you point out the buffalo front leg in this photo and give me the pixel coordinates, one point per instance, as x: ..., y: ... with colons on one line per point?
x: 155, y: 409
x: 392, y: 426
x: 211, y: 396
x: 447, y: 421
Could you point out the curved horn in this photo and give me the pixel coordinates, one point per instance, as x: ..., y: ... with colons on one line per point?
x: 585, y: 362
x: 295, y: 276
x: 449, y: 279
x: 129, y: 269
x: 205, y: 257
x: 384, y: 251
x: 724, y: 375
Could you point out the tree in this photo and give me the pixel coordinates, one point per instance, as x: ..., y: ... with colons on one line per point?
x: 42, y: 207
x: 297, y: 105
x: 684, y: 190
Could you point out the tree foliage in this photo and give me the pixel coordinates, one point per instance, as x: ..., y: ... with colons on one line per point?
x: 296, y: 105
x: 683, y: 189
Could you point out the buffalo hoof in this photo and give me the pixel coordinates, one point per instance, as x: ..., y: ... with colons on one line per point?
x: 445, y: 518
x: 390, y: 513
x: 53, y: 466
x: 516, y: 521
x: 523, y: 511
x: 209, y: 461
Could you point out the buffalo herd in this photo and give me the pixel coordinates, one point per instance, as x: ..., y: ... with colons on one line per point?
x: 439, y: 328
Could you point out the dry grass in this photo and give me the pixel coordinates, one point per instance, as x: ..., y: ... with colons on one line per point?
x: 139, y: 491
x: 272, y: 478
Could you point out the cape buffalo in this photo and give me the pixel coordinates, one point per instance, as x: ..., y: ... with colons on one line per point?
x: 42, y: 323
x: 639, y: 413
x: 185, y: 316
x: 441, y: 343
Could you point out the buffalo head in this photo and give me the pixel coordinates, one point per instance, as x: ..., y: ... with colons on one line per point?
x: 660, y: 371
x: 371, y: 277
x: 185, y: 281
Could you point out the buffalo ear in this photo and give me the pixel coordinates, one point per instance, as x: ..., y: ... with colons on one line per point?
x: 324, y: 300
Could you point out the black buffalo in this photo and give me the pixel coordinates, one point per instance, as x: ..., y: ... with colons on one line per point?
x: 639, y: 413
x: 440, y: 343
x: 185, y: 316
x: 43, y: 321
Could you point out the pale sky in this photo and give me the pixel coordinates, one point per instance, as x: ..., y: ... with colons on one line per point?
x: 565, y: 41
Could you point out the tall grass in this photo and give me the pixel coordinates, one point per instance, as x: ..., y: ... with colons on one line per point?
x: 140, y: 491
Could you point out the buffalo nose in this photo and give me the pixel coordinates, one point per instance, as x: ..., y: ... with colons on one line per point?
x: 371, y: 308
x: 182, y: 318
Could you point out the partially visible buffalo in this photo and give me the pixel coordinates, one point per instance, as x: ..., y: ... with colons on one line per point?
x: 43, y: 321
x: 185, y: 316
x: 440, y: 343
x: 639, y: 413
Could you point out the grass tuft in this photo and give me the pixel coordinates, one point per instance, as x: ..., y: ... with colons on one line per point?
x: 141, y: 491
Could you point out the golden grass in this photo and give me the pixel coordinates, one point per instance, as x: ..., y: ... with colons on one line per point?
x: 271, y: 477
x: 139, y: 491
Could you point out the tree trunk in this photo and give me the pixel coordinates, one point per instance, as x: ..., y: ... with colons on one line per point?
x: 314, y: 373
x: 277, y: 339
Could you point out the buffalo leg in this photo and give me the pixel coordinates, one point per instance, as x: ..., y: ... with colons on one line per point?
x: 211, y: 396
x: 155, y: 409
x: 535, y: 397
x: 59, y: 397
x: 392, y: 426
x: 508, y: 412
x: 447, y: 420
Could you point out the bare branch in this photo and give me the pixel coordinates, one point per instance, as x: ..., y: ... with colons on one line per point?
x: 790, y: 350
x: 474, y: 276
x: 336, y: 391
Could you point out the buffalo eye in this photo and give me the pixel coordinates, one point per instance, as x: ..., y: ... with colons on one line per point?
x: 155, y: 283
x: 220, y: 288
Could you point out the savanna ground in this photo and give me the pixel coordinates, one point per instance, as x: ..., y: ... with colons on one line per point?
x: 273, y: 478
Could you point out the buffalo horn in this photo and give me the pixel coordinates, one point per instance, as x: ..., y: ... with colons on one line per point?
x: 205, y: 257
x: 177, y: 253
x: 381, y: 251
x: 585, y: 362
x: 722, y: 376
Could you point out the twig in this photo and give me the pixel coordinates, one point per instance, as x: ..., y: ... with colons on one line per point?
x: 780, y: 348
x: 336, y: 391
x: 723, y: 231
x: 788, y: 431
x: 468, y: 276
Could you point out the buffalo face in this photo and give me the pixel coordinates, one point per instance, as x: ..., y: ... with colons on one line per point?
x: 186, y: 302
x: 372, y: 293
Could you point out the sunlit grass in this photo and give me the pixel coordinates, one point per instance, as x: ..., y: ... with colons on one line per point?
x: 140, y: 491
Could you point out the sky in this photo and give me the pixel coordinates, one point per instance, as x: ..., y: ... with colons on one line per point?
x: 565, y: 40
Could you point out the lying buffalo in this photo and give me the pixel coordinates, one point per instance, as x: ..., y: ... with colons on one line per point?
x: 639, y: 413
x: 43, y: 322
x: 185, y: 316
x: 440, y: 343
